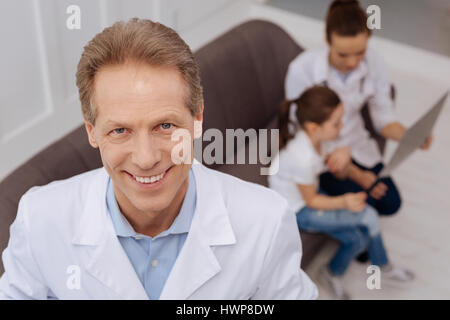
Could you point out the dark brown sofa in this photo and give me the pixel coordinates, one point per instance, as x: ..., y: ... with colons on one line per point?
x: 242, y: 74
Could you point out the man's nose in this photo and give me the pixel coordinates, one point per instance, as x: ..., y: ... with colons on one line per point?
x: 146, y: 153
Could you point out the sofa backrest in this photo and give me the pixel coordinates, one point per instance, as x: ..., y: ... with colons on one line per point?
x: 243, y: 75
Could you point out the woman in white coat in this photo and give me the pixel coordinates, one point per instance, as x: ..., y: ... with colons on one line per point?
x: 149, y: 224
x: 359, y: 76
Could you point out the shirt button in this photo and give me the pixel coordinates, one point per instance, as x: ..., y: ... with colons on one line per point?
x: 155, y: 263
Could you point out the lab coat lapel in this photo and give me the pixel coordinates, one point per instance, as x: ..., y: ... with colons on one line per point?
x: 110, y: 265
x: 321, y: 69
x: 197, y: 263
x: 104, y: 256
x: 323, y: 74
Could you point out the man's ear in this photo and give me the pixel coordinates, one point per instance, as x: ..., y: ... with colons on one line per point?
x: 198, y: 124
x: 90, y: 131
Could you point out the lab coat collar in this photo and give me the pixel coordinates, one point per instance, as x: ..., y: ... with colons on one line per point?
x: 211, y: 226
x: 91, y: 225
x: 321, y: 69
x: 196, y: 263
x: 105, y: 258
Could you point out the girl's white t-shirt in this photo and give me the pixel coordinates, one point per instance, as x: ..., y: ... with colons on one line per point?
x: 297, y: 163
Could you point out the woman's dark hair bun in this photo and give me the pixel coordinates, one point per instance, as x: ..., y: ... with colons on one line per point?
x: 337, y: 3
x: 346, y: 18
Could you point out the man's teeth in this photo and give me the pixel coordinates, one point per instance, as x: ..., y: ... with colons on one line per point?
x: 149, y: 179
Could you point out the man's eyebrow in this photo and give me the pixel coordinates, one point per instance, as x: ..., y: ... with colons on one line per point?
x: 115, y: 123
x: 169, y: 116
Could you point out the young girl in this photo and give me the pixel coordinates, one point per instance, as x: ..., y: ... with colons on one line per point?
x: 347, y: 217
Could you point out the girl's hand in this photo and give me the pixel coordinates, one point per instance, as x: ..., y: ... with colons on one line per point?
x: 338, y: 160
x: 355, y: 202
x: 367, y: 178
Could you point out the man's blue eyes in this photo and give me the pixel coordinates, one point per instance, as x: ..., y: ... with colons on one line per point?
x: 120, y: 129
x: 164, y: 126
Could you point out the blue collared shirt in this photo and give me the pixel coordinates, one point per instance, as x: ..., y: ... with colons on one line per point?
x: 153, y: 258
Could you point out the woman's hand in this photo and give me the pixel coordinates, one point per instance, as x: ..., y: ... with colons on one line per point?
x: 396, y: 130
x: 367, y: 179
x: 427, y: 143
x: 355, y: 202
x: 338, y: 160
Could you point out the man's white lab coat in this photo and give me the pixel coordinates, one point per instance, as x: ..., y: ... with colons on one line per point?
x: 243, y: 244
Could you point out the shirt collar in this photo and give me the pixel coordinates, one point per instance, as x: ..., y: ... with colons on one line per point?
x: 181, y: 224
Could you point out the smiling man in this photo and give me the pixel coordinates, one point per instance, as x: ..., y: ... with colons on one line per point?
x: 145, y: 226
x: 135, y: 142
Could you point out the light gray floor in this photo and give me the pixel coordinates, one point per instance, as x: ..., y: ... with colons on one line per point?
x: 420, y: 23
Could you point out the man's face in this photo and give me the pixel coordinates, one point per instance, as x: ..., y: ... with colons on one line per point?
x: 138, y: 108
x: 347, y: 52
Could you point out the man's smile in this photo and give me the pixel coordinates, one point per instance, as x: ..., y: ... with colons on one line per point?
x: 149, y: 181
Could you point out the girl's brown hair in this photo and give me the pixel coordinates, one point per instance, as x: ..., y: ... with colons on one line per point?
x: 316, y: 104
x: 346, y: 18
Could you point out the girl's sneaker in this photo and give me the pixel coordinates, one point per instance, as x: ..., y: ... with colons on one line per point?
x: 333, y: 284
x: 396, y: 276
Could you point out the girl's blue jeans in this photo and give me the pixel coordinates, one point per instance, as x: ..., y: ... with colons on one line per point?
x: 356, y: 232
